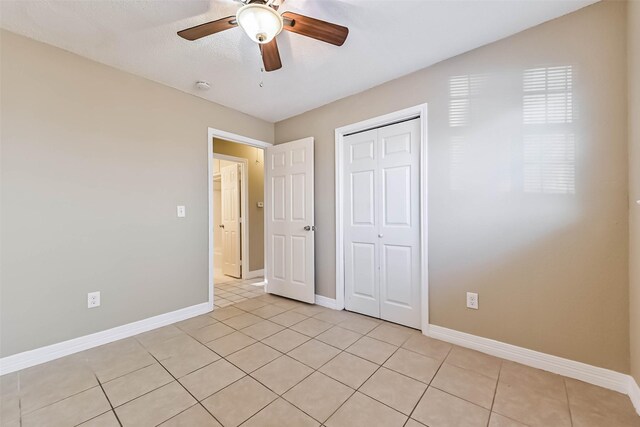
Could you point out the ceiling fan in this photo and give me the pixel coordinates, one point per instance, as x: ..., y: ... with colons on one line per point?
x: 262, y: 23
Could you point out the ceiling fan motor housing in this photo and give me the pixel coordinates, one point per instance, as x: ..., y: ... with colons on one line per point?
x: 259, y: 21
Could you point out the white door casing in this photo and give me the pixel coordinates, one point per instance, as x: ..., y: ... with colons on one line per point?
x: 382, y: 223
x: 230, y: 190
x: 290, y: 240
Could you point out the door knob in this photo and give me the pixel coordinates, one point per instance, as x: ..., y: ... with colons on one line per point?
x: 309, y: 227
x: 381, y: 235
x: 221, y: 226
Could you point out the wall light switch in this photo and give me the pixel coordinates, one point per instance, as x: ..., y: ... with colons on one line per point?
x: 182, y: 211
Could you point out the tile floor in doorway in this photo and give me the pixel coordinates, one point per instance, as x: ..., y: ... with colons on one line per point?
x: 229, y: 291
x: 269, y: 361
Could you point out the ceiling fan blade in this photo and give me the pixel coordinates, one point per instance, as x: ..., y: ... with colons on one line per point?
x: 203, y: 30
x: 315, y: 28
x: 270, y: 56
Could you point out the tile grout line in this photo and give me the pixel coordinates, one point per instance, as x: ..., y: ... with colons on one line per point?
x: 108, y: 401
x: 566, y: 392
x: 130, y: 372
x: 78, y: 392
x: 287, y: 390
x: 181, y: 385
x: 57, y: 401
x: 495, y: 392
x: 236, y: 381
x: 473, y: 372
x: 185, y: 410
x: 430, y: 381
x: 356, y: 390
x: 418, y: 402
x: 19, y: 398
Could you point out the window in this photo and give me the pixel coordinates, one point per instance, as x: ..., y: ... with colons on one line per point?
x: 549, y: 149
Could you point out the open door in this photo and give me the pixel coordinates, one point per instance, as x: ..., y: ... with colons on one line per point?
x: 290, y: 220
x: 230, y: 189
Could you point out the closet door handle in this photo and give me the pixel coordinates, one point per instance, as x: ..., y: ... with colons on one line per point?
x: 381, y: 235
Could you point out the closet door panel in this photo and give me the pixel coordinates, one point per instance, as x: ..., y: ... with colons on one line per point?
x: 362, y: 290
x: 399, y: 227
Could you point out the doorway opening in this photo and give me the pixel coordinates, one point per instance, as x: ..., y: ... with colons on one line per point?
x: 236, y: 218
x: 230, y: 233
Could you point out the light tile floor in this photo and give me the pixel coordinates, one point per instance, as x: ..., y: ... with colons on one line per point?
x: 266, y: 361
x: 229, y: 291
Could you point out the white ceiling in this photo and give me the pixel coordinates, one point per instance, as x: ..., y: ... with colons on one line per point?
x: 387, y: 39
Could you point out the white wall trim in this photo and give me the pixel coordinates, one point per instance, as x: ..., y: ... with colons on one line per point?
x: 569, y: 368
x: 217, y: 133
x: 408, y: 113
x: 254, y: 273
x: 244, y: 207
x: 40, y: 355
x: 234, y: 137
x: 327, y: 302
x: 634, y: 393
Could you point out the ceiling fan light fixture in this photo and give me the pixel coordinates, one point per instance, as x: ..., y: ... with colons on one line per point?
x: 260, y: 22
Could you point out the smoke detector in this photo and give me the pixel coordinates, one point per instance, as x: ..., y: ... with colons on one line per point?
x: 202, y: 85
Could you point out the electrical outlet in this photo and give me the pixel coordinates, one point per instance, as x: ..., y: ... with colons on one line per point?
x: 472, y: 300
x: 93, y: 299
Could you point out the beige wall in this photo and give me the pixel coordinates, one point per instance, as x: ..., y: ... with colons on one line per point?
x: 533, y: 216
x: 633, y: 49
x: 256, y: 194
x: 94, y: 162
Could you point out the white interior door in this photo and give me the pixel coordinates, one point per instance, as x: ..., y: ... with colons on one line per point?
x: 382, y: 223
x: 290, y: 220
x: 230, y: 190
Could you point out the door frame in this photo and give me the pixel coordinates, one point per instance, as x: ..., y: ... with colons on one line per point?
x: 244, y: 197
x: 419, y: 112
x: 239, y: 139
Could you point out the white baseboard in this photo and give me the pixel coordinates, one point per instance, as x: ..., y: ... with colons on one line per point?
x: 326, y: 302
x: 569, y: 368
x: 40, y: 355
x: 634, y: 393
x: 253, y: 274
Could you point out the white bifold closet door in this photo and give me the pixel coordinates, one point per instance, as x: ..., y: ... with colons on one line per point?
x: 382, y: 222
